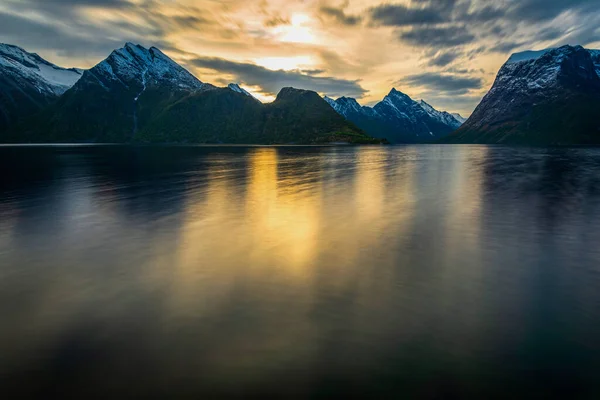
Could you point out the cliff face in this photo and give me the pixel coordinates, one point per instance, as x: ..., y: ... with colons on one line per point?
x: 550, y: 97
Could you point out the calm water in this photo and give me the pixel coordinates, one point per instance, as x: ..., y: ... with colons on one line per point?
x: 426, y: 271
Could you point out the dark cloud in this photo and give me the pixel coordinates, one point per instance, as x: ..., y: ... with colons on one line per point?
x: 277, y: 21
x: 505, y: 47
x: 483, y: 14
x: 432, y: 36
x: 464, y: 71
x: 429, y: 12
x: 583, y: 35
x: 434, y: 23
x: 444, y: 82
x: 543, y: 10
x: 272, y: 81
x: 340, y: 16
x: 81, y: 3
x: 400, y: 15
x: 313, y: 71
x: 443, y: 58
x: 32, y: 34
x: 550, y: 33
x: 70, y: 33
x: 189, y: 21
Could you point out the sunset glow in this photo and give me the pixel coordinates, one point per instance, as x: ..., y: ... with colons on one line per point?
x: 354, y: 48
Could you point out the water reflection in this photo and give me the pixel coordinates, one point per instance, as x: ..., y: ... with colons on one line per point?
x: 435, y: 270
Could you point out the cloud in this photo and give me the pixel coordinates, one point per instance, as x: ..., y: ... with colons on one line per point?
x: 443, y: 82
x: 277, y: 20
x: 443, y: 58
x: 400, y: 15
x: 313, y: 71
x: 272, y: 81
x: 81, y: 3
x: 33, y: 34
x: 505, y: 47
x: 483, y: 14
x: 437, y: 36
x: 375, y: 44
x: 340, y: 16
x: 542, y: 10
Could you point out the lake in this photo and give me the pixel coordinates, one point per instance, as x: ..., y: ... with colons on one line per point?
x: 421, y: 271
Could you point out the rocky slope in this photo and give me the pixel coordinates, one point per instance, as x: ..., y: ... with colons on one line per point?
x: 28, y: 83
x: 398, y: 118
x: 542, y: 98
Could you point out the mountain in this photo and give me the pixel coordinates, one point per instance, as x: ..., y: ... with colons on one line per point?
x: 114, y: 99
x: 459, y: 118
x: 236, y: 88
x: 29, y: 83
x: 398, y: 118
x: 139, y: 94
x: 229, y: 116
x: 452, y: 120
x: 540, y: 98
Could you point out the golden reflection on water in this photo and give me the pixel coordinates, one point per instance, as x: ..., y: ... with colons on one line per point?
x: 242, y: 264
x: 283, y: 219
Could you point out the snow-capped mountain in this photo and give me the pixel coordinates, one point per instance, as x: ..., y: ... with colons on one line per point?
x: 118, y: 96
x: 459, y: 118
x: 347, y: 107
x: 236, y: 88
x: 141, y: 95
x: 452, y: 120
x: 398, y: 118
x: 28, y: 83
x: 30, y: 68
x: 134, y: 66
x: 540, y: 97
x: 596, y: 59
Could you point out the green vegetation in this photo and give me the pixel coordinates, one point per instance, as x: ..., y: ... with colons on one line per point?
x: 164, y: 116
x: 224, y: 116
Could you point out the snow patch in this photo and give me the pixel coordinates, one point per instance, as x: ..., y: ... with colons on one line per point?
x: 30, y: 67
x: 526, y: 55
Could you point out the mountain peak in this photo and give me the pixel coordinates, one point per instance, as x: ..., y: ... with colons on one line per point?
x: 539, y: 97
x: 288, y: 93
x: 136, y: 64
x: 396, y: 94
x: 238, y: 89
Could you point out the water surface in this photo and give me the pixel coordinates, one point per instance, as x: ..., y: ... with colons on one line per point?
x: 426, y: 271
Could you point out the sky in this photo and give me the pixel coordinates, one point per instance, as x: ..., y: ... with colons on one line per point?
x: 446, y: 52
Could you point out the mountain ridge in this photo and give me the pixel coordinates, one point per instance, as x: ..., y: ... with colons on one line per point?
x: 139, y: 94
x: 398, y: 118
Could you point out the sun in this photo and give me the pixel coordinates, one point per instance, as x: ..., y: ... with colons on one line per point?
x: 298, y: 31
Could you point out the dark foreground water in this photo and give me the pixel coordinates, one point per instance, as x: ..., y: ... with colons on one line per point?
x: 426, y: 271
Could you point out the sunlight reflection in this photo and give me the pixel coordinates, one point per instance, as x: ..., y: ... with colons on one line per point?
x: 282, y: 215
